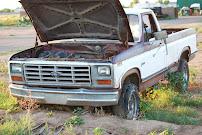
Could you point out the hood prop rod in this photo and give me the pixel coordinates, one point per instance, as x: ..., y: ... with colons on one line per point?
x: 36, y: 45
x: 36, y: 41
x: 126, y: 42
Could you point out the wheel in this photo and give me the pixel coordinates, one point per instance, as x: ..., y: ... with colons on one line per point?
x: 129, y: 102
x: 184, y: 70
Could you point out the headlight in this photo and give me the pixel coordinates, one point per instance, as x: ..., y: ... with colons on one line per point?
x: 16, y: 68
x: 104, y: 70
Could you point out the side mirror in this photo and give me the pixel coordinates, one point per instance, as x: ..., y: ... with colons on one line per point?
x: 161, y: 35
x: 145, y: 25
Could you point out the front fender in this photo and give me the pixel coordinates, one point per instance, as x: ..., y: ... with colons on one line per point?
x: 134, y: 71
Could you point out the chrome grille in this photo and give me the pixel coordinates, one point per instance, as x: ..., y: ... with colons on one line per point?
x: 57, y: 75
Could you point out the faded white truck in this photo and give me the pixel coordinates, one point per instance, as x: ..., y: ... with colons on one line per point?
x: 97, y: 54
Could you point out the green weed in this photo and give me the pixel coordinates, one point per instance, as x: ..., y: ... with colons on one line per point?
x: 98, y: 131
x: 79, y: 111
x: 186, y: 111
x: 172, y: 117
x: 20, y: 127
x: 175, y: 80
x: 165, y: 132
x: 158, y: 98
x: 74, y: 121
x: 7, y: 102
x: 50, y: 114
x: 24, y: 21
x: 185, y: 100
x: 165, y: 104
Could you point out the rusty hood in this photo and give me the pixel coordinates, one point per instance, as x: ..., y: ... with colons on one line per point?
x: 66, y: 19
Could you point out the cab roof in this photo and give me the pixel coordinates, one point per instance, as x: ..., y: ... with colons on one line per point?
x: 136, y: 11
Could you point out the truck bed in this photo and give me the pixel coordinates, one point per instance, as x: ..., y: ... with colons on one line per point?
x: 174, y: 30
x: 176, y: 34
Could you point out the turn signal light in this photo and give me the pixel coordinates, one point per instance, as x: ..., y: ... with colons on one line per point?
x: 104, y: 82
x: 17, y: 78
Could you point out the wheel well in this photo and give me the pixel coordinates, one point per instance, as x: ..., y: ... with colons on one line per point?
x: 133, y: 75
x: 185, y: 55
x: 134, y: 78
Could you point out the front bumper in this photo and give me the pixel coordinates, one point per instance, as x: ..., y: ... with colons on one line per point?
x: 71, y: 97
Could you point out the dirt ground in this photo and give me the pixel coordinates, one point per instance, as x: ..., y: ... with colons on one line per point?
x: 12, y: 39
x: 112, y: 125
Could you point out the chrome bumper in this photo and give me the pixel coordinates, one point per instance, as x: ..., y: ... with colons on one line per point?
x: 72, y: 97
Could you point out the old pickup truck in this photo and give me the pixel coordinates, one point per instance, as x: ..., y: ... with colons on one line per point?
x: 97, y: 54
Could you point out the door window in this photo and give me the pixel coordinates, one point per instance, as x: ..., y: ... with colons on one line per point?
x: 149, y: 27
x: 135, y: 27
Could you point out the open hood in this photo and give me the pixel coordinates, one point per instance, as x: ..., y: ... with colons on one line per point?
x: 66, y: 19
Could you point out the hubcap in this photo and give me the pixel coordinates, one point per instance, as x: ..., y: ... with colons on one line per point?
x: 132, y: 105
x: 185, y: 78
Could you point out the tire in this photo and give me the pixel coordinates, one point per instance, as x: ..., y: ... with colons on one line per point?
x: 184, y: 70
x: 129, y: 102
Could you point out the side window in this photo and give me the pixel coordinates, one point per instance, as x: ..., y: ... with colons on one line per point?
x: 149, y: 27
x: 134, y: 26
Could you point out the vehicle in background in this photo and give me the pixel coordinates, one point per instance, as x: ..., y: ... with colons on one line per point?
x: 195, y: 9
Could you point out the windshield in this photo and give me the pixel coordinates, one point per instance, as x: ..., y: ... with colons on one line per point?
x: 134, y: 26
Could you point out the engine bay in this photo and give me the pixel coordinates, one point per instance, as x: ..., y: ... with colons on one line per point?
x: 72, y: 51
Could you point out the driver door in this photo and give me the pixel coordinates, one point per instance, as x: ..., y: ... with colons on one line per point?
x: 155, y: 50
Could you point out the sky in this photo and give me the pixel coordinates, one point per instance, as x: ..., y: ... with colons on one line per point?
x: 13, y: 4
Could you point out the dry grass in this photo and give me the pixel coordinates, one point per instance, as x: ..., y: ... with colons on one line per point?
x: 14, y: 20
x: 4, y: 87
x: 17, y: 127
x: 9, y: 20
x: 6, y: 53
x: 194, y: 72
x: 199, y: 29
x: 7, y: 102
x: 165, y: 132
x: 3, y: 67
x: 199, y: 46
